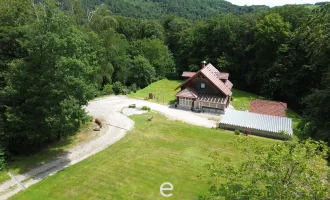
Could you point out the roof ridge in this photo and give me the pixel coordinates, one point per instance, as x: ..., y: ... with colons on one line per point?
x: 209, y: 67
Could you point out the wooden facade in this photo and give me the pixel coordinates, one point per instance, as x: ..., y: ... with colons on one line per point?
x: 208, y: 90
x: 209, y: 98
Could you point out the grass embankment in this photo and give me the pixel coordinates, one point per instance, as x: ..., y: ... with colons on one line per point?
x: 165, y: 91
x: 23, y: 164
x: 134, y: 168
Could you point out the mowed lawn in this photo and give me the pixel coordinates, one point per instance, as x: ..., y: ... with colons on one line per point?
x: 134, y: 168
x: 164, y: 91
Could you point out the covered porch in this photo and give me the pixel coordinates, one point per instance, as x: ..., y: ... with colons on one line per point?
x: 205, y: 102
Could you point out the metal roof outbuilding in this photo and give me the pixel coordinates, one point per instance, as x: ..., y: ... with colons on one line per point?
x: 266, y: 125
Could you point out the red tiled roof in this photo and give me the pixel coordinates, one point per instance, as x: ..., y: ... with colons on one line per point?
x: 211, y: 73
x: 188, y: 74
x: 188, y: 93
x: 223, y: 75
x: 274, y: 108
x: 228, y: 84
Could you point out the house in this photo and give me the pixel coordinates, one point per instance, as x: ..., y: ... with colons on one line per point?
x: 274, y: 108
x: 208, y: 90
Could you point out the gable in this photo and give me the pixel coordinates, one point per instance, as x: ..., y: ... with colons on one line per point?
x: 212, y: 74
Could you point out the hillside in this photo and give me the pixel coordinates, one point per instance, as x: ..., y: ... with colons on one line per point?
x: 155, y: 9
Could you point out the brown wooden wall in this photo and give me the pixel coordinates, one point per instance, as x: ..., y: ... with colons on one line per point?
x: 209, y: 87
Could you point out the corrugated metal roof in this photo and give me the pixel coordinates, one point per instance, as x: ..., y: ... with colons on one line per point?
x: 188, y: 74
x: 261, y: 122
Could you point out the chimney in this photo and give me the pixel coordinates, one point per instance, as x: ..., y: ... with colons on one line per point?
x: 203, y: 64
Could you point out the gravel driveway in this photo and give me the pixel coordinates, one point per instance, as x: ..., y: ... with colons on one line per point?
x: 108, y: 109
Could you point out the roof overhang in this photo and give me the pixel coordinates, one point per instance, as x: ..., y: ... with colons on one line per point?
x: 188, y: 74
x: 187, y: 93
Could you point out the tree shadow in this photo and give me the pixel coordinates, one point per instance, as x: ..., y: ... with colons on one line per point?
x: 22, y: 164
x: 49, y: 168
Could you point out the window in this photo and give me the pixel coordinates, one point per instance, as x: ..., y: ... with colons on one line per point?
x: 202, y: 85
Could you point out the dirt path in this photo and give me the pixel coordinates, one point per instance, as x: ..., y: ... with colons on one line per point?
x: 108, y: 109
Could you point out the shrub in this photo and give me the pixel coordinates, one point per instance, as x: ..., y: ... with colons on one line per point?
x: 285, y: 135
x: 145, y: 108
x: 133, y: 87
x: 237, y: 132
x: 117, y: 87
x: 128, y: 91
x: 107, y: 89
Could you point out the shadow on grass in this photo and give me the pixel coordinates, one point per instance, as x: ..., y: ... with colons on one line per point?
x: 59, y: 163
x: 34, y: 168
x: 21, y: 164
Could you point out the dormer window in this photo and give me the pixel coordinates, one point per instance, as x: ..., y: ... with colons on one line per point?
x: 202, y: 85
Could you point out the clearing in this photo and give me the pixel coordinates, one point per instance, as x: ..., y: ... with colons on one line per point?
x: 165, y: 90
x: 109, y: 109
x: 134, y: 168
x: 116, y: 126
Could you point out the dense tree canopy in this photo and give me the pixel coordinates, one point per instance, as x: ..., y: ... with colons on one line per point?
x: 289, y: 170
x: 157, y: 9
x: 54, y: 61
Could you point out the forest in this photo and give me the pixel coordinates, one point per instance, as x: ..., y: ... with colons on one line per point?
x: 58, y: 55
x: 158, y: 9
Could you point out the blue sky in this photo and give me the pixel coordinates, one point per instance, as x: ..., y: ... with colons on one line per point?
x: 270, y: 2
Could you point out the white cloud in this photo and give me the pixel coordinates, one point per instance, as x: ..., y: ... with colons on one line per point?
x: 270, y: 3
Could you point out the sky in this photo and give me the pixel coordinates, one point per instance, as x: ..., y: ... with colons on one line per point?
x: 270, y: 2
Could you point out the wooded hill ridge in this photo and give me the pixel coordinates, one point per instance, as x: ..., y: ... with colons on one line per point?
x: 158, y: 9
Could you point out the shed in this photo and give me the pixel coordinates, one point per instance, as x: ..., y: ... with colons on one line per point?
x: 258, y: 124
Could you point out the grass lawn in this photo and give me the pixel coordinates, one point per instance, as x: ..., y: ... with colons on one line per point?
x: 165, y: 91
x: 22, y: 164
x: 134, y: 168
x: 241, y: 99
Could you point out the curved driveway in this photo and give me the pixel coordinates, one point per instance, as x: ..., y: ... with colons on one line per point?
x: 108, y: 109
